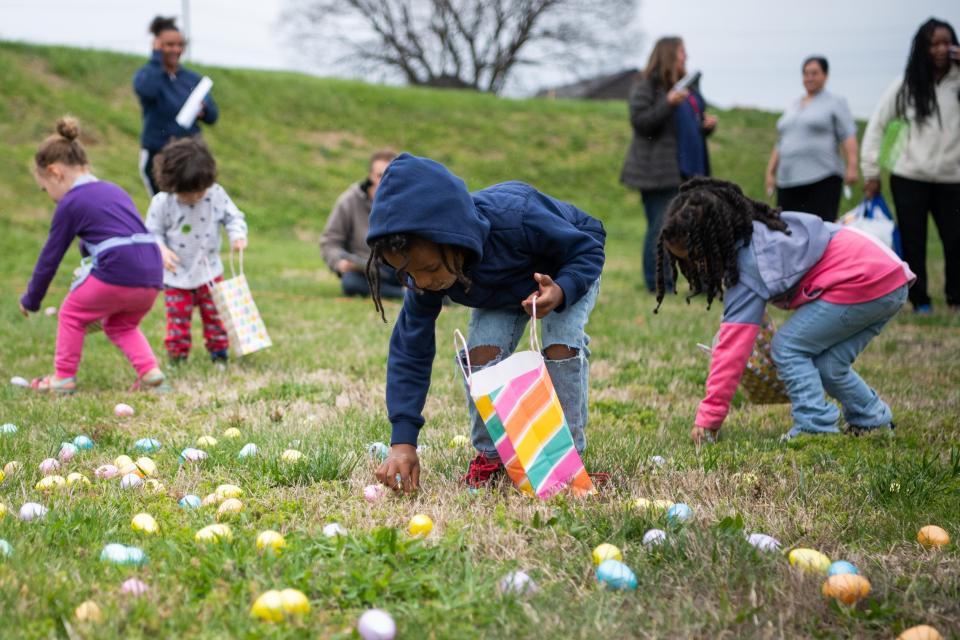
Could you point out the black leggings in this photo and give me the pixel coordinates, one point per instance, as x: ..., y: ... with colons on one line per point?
x: 821, y: 198
x: 914, y: 201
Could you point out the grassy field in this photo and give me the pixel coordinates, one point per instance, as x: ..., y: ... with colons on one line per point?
x: 287, y: 145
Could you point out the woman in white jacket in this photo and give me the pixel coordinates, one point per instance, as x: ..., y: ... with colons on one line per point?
x: 925, y: 172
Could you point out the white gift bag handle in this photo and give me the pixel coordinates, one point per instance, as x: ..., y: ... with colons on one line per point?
x: 232, y: 272
x: 460, y: 342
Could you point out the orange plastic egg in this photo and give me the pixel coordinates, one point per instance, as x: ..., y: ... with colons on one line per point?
x: 848, y: 588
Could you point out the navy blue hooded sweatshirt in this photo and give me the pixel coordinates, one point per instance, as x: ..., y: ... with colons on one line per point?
x: 161, y: 97
x: 510, y: 232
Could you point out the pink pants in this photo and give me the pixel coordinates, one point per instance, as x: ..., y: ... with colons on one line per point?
x: 118, y: 309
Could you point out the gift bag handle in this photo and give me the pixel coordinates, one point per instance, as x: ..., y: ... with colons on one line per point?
x: 460, y: 343
x: 534, y: 336
x: 232, y: 272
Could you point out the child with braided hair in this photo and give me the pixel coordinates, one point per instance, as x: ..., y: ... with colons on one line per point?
x: 843, y: 285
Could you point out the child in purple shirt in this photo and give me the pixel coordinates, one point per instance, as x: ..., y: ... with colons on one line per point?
x: 121, y: 272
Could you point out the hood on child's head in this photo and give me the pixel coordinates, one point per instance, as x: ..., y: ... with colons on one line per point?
x: 420, y: 196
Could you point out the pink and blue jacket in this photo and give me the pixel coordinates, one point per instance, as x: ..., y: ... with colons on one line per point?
x: 817, y: 261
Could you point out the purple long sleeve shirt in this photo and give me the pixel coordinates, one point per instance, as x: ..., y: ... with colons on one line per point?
x: 95, y: 211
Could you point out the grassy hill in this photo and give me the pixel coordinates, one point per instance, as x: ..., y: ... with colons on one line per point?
x: 287, y: 145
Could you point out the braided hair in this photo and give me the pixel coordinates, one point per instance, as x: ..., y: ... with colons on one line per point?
x: 919, y: 85
x: 401, y: 244
x: 711, y: 219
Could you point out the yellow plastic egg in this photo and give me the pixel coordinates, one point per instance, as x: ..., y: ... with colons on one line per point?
x: 662, y: 505
x: 147, y: 466
x: 606, y: 552
x: 933, y: 536
x: 214, y: 533
x: 225, y: 491
x: 77, y: 479
x: 809, y: 561
x: 229, y: 508
x: 3, y: 509
x: 420, y: 526
x: 295, y: 602
x: 12, y: 467
x: 130, y: 469
x: 206, y: 441
x: 269, y: 606
x: 144, y: 523
x: 920, y: 632
x: 2, y: 477
x: 232, y: 433
x: 848, y: 588
x: 291, y: 456
x: 271, y: 540
x: 209, y: 499
x: 49, y: 483
x: 122, y: 461
x: 89, y: 611
x: 153, y: 486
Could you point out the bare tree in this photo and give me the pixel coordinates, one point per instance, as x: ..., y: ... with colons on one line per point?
x: 473, y: 44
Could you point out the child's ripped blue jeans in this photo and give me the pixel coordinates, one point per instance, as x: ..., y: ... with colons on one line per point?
x: 814, y: 353
x: 503, y: 328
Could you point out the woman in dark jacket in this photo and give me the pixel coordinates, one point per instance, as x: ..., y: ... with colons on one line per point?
x: 669, y: 140
x: 163, y: 85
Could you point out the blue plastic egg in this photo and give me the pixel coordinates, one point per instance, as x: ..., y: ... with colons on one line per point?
x: 189, y: 501
x: 840, y: 567
x: 135, y: 555
x: 83, y: 442
x: 248, y: 451
x: 5, y: 549
x: 378, y: 451
x: 147, y: 445
x: 679, y: 512
x: 115, y: 553
x: 614, y: 574
x: 8, y: 429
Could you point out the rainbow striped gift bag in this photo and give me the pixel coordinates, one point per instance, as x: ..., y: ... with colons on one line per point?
x: 519, y: 406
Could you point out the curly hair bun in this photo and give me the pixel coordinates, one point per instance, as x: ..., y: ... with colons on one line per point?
x: 160, y: 24
x: 68, y: 127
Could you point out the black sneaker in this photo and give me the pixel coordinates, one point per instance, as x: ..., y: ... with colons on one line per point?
x: 856, y: 432
x: 218, y: 357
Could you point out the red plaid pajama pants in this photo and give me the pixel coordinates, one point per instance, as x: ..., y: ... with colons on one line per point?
x: 179, y: 304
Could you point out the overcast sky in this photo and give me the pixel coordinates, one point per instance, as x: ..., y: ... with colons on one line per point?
x: 749, y: 50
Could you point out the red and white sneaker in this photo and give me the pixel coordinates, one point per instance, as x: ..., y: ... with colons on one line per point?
x: 482, y: 470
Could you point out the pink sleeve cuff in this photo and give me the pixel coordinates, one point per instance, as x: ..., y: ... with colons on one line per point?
x: 730, y: 356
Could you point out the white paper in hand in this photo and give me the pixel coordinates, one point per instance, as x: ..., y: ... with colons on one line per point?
x: 191, y: 108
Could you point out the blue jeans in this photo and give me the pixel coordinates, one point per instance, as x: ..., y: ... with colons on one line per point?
x: 655, y: 203
x: 354, y: 283
x: 814, y: 351
x: 503, y: 328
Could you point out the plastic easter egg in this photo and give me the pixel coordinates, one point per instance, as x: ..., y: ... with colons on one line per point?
x: 123, y: 410
x: 920, y: 632
x: 809, y: 561
x: 333, y: 530
x: 841, y: 567
x: 614, y: 574
x: 606, y: 552
x: 123, y: 461
x: 134, y: 587
x: 6, y: 549
x: 135, y: 555
x: 50, y: 483
x: 291, y: 456
x: 214, y: 533
x: 8, y: 429
x: 271, y: 540
x: 763, y: 542
x: 130, y: 481
x: 661, y: 505
x: 130, y: 469
x: 153, y: 486
x: 232, y: 433
x: 269, y: 606
x: 654, y: 537
x: 209, y: 500
x: 88, y: 611
x: 67, y: 451
x: 49, y: 466
x: 83, y: 442
x: 376, y: 624
x: 115, y: 553
x: 225, y: 491
x: 679, y: 512
x: 12, y: 468
x: 848, y: 588
x: 373, y: 492
x: 192, y: 455
x: 50, y: 311
x: 77, y: 479
x: 459, y: 442
x: 3, y: 476
x: 420, y: 526
x: 518, y: 583
x: 933, y: 536
x: 144, y: 523
x: 147, y: 445
x: 378, y: 451
x: 294, y: 602
x: 147, y: 466
x: 658, y: 461
x: 106, y: 471
x: 31, y: 511
x: 249, y: 450
x: 189, y: 501
x: 3, y: 510
x: 206, y: 441
x: 229, y: 508
x: 19, y: 381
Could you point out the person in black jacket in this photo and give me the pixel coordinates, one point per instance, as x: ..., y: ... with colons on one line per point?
x: 669, y: 140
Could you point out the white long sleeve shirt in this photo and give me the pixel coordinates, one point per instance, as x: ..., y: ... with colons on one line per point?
x: 931, y: 152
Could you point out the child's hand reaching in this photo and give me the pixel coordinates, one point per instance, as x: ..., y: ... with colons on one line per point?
x: 170, y: 259
x: 240, y: 244
x: 24, y: 311
x: 549, y: 297
x: 403, y: 461
x: 699, y: 435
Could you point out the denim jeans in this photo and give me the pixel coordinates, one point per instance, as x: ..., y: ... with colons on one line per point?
x: 503, y: 328
x: 655, y: 203
x: 814, y: 351
x: 354, y: 283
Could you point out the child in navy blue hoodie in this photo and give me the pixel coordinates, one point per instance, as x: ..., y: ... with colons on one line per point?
x: 493, y: 250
